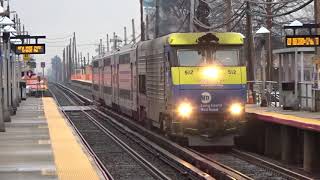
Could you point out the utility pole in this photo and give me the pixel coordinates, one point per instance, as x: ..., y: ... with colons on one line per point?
x: 2, y: 118
x: 317, y: 20
x: 269, y: 41
x: 147, y: 27
x: 142, y: 26
x: 14, y: 73
x: 5, y: 75
x: 192, y: 9
x: 134, y: 33
x: 108, y: 45
x: 114, y: 41
x: 157, y: 21
x: 250, y: 46
x: 228, y: 15
x: 125, y: 36
x: 70, y: 61
x: 81, y: 61
x: 75, y: 49
x: 88, y: 58
x: 101, y: 48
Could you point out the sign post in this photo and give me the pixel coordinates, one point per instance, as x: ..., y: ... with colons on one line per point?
x: 43, y: 65
x: 26, y: 57
x: 306, y: 40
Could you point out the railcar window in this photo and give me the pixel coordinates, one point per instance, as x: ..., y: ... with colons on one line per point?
x: 107, y: 62
x: 95, y: 64
x: 142, y: 84
x: 125, y: 94
x: 107, y: 90
x: 96, y: 87
x: 124, y: 59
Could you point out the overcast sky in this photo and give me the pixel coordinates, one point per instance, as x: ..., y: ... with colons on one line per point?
x: 91, y: 20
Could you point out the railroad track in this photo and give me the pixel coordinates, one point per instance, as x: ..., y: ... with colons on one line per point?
x: 251, y: 166
x: 115, y: 145
x: 221, y: 166
x: 277, y: 169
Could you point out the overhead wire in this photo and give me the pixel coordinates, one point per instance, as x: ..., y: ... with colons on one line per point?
x: 231, y: 19
x: 282, y: 14
x: 268, y: 3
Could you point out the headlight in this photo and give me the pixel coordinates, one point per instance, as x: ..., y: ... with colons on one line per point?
x: 184, y: 110
x: 212, y: 72
x: 236, y: 109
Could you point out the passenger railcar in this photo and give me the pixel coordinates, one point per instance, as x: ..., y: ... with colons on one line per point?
x: 179, y: 82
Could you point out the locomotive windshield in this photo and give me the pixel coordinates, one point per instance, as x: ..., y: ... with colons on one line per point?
x: 193, y: 57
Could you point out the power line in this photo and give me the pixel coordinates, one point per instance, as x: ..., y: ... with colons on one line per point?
x: 268, y: 3
x: 60, y: 38
x: 283, y: 14
x: 231, y: 19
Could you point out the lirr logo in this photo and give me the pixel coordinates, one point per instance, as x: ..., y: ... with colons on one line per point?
x: 206, y: 98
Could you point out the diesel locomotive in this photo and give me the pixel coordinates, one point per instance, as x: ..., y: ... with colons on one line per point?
x: 180, y: 83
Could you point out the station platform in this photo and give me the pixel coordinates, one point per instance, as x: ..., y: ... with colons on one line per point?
x: 40, y: 144
x: 298, y: 119
x: 83, y: 82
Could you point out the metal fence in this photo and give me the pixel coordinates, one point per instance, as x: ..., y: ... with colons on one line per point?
x: 268, y: 94
x: 264, y: 94
x: 306, y: 95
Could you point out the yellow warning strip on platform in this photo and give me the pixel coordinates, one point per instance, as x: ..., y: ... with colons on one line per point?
x: 71, y: 161
x: 284, y: 117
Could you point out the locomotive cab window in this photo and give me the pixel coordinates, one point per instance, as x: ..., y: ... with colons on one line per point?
x: 195, y: 57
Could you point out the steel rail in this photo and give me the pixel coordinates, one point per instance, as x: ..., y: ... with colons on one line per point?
x: 105, y: 172
x: 179, y: 164
x: 229, y: 170
x: 268, y: 165
x: 225, y: 171
x: 147, y: 165
x: 155, y: 172
x: 167, y: 157
x: 245, y: 156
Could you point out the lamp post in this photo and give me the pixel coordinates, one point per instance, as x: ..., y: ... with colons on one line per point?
x: 8, y: 68
x: 4, y: 21
x: 265, y: 31
x: 14, y: 74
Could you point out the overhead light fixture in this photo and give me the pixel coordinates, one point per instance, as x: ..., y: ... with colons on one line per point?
x: 9, y: 29
x: 6, y: 21
x: 296, y: 23
x: 263, y: 30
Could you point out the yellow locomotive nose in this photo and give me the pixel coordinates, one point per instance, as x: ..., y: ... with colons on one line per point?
x: 185, y: 110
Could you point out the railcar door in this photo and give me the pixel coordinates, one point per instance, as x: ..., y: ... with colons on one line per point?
x: 101, y: 79
x: 115, y: 86
x: 107, y: 89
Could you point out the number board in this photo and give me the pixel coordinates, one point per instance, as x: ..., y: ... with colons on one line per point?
x: 303, y: 41
x: 29, y: 48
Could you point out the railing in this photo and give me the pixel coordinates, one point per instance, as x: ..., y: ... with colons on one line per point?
x: 308, y: 98
x: 306, y: 95
x: 264, y: 94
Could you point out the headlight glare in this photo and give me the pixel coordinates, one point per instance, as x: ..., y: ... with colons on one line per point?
x: 212, y: 72
x: 185, y: 110
x: 236, y: 109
